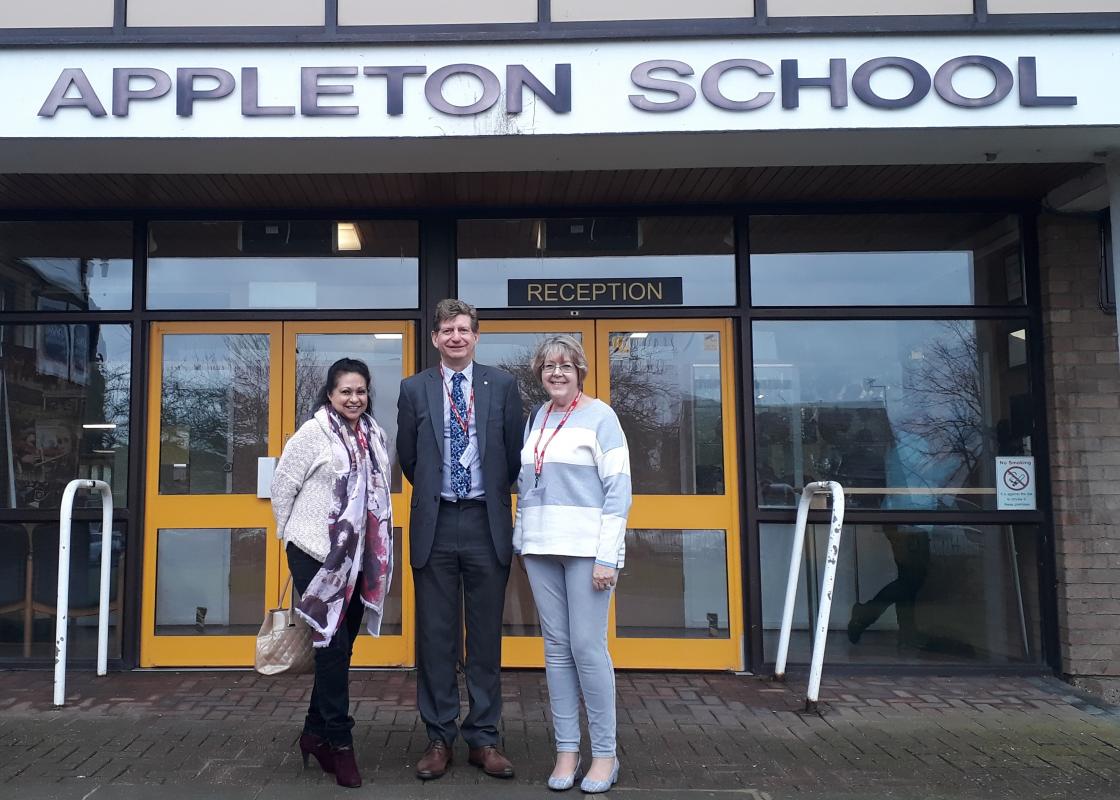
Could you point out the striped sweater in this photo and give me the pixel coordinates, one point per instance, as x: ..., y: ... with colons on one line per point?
x: 579, y: 507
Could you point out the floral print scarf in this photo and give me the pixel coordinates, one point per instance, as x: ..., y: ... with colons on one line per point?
x: 360, y: 526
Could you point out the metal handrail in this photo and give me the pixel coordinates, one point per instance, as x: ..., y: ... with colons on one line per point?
x: 63, y: 611
x: 825, y: 610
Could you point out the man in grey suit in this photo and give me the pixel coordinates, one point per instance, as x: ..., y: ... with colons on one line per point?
x: 459, y: 430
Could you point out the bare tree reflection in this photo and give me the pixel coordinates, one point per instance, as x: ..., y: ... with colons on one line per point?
x: 215, y: 410
x: 945, y: 389
x: 309, y: 377
x: 518, y: 364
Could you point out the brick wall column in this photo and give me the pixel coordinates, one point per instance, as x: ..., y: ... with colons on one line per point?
x: 1083, y: 402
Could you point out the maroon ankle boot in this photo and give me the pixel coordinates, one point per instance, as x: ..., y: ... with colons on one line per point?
x: 346, y: 767
x: 311, y: 744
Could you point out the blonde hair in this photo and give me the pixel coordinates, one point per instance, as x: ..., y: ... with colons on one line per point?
x: 563, y: 344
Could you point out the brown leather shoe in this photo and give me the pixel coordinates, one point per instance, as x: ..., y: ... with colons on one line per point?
x: 491, y: 761
x: 435, y: 761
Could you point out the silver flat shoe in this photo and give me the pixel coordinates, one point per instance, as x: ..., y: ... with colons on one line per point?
x: 565, y: 782
x: 588, y: 786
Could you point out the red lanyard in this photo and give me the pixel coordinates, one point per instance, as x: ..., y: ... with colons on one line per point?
x: 538, y: 451
x: 465, y: 424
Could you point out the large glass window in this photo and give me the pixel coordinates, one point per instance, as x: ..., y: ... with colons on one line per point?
x: 666, y: 390
x: 209, y: 581
x: 29, y: 593
x: 910, y: 593
x: 312, y: 264
x: 64, y: 395
x: 214, y: 410
x: 597, y: 261
x: 513, y: 352
x: 674, y: 585
x: 906, y: 414
x: 65, y: 266
x: 885, y: 259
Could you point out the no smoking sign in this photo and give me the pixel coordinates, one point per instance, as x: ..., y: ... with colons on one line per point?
x: 1015, y: 483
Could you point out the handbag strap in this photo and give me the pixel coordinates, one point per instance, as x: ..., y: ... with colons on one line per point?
x: 285, y: 592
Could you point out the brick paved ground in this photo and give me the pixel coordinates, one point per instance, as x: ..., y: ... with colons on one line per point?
x: 231, y: 734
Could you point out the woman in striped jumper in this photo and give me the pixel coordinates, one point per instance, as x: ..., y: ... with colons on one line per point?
x: 573, y: 498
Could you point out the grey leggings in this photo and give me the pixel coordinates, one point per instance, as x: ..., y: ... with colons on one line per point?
x: 574, y: 622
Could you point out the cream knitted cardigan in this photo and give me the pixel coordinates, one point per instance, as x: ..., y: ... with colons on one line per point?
x: 302, y: 487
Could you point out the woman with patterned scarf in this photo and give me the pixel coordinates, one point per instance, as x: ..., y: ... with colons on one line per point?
x: 330, y: 495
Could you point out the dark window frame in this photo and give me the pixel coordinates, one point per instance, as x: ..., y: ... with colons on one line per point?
x: 438, y: 265
x: 980, y: 21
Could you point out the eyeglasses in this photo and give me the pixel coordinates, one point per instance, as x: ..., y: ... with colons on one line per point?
x: 563, y: 369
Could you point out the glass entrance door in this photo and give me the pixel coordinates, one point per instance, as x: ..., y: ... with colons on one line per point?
x: 679, y: 598
x: 221, y: 397
x: 510, y: 345
x: 678, y: 604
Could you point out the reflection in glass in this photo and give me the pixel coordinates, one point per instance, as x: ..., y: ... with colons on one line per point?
x: 699, y: 250
x: 383, y: 353
x: 209, y: 581
x: 513, y: 352
x: 213, y: 412
x: 905, y: 414
x: 29, y: 589
x: 674, y: 585
x: 391, y: 624
x: 65, y: 266
x: 910, y: 593
x: 519, y: 615
x: 665, y: 388
x: 64, y: 394
x: 283, y: 264
x: 886, y: 259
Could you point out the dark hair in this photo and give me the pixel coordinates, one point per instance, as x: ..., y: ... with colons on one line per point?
x: 451, y: 308
x: 340, y: 367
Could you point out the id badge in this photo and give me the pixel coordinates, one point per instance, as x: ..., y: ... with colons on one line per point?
x: 468, y: 455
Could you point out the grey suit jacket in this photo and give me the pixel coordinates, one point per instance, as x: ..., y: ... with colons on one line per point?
x: 499, y: 422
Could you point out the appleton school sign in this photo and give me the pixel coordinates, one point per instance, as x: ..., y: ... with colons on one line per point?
x: 659, y: 85
x: 562, y: 88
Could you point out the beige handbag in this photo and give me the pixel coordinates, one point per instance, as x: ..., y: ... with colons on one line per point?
x: 284, y: 641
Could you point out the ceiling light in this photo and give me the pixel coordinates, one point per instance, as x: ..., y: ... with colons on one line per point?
x: 396, y: 336
x: 100, y: 426
x: 1019, y: 334
x: 347, y: 237
x: 639, y: 335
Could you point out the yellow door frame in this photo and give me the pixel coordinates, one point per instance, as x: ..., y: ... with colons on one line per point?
x: 203, y: 511
x: 687, y: 512
x: 384, y: 651
x: 683, y: 512
x: 528, y: 651
x: 718, y: 512
x: 248, y: 511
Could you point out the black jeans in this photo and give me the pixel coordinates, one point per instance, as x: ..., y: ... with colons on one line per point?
x: 328, y: 713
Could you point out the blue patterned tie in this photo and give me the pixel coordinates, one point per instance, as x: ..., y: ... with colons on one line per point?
x: 460, y: 475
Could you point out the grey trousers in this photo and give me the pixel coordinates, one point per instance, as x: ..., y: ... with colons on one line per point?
x: 574, y: 620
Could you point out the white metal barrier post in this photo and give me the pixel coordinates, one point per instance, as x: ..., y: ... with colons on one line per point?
x: 63, y: 611
x: 829, y: 582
